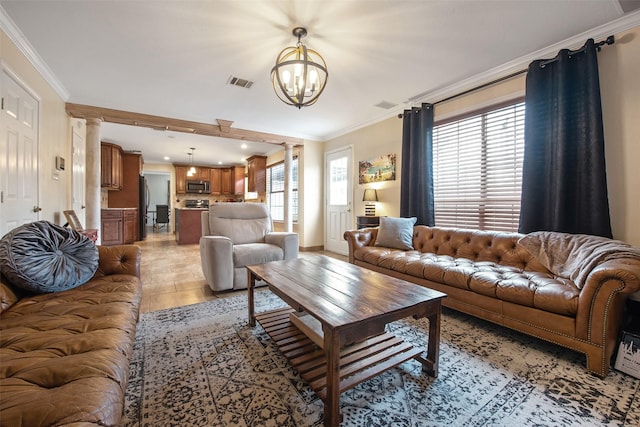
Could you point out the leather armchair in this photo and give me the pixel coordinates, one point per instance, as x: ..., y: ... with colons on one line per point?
x: 235, y: 235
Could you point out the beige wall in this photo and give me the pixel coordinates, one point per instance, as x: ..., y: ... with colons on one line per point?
x: 54, y: 134
x: 373, y: 141
x: 619, y: 67
x: 620, y: 86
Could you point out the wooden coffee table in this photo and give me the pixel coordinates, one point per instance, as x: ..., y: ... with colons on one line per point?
x: 334, y: 330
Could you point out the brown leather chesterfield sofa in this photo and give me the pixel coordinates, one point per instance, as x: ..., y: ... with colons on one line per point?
x: 64, y: 356
x: 492, y: 276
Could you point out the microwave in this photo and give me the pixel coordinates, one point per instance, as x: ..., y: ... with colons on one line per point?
x: 201, y: 187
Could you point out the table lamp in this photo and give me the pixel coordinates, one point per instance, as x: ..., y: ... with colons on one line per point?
x: 371, y: 197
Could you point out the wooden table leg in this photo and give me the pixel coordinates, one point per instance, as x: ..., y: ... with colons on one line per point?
x: 250, y: 285
x: 433, y: 346
x: 332, y: 415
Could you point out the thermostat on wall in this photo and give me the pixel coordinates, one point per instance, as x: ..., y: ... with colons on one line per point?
x: 60, y: 163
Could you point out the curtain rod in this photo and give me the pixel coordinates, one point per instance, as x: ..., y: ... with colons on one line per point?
x: 608, y: 41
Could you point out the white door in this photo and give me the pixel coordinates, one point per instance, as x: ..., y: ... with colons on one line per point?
x: 339, y: 195
x: 18, y: 156
x: 79, y: 172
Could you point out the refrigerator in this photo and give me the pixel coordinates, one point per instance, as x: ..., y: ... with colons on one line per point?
x: 143, y: 206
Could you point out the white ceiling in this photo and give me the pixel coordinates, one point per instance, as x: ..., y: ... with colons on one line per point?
x: 174, y: 58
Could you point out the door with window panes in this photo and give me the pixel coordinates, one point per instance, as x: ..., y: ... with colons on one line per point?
x: 339, y: 195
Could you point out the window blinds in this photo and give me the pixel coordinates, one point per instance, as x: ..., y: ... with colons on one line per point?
x: 478, y: 170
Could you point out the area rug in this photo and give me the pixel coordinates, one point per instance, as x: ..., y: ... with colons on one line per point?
x: 202, y: 365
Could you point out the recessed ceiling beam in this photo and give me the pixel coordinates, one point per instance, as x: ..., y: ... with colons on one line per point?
x: 222, y: 130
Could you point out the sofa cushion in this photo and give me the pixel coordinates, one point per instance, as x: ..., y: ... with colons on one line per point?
x: 43, y: 257
x: 256, y: 253
x: 540, y: 290
x: 396, y: 233
x: 65, y: 355
x: 240, y: 222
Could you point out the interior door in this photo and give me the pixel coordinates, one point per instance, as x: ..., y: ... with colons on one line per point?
x: 79, y: 171
x: 18, y: 155
x: 339, y: 199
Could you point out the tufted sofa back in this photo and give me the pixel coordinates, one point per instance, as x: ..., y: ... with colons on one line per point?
x: 492, y: 246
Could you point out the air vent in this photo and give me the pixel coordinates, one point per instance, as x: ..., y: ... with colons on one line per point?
x: 237, y: 81
x: 386, y: 105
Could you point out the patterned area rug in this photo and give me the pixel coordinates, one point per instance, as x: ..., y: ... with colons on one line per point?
x: 202, y: 365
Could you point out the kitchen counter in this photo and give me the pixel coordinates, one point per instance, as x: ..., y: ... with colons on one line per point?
x: 188, y: 228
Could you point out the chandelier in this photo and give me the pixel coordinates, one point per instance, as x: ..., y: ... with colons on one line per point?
x: 300, y: 74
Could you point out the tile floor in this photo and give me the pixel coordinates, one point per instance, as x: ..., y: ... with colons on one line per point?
x: 172, y: 276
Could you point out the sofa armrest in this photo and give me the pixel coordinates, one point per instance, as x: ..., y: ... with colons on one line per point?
x: 121, y: 259
x: 360, y: 238
x: 287, y: 241
x: 216, y: 256
x: 602, y: 300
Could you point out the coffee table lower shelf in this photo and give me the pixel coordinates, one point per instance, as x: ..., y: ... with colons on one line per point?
x: 358, y: 362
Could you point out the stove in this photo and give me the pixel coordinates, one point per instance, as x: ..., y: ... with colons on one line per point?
x: 196, y: 203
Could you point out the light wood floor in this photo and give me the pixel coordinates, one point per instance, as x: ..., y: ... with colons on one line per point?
x: 172, y: 276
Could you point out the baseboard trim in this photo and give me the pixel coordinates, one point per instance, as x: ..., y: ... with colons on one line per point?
x: 312, y: 249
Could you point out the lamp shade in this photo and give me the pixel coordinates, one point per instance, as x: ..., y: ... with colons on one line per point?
x: 370, y: 195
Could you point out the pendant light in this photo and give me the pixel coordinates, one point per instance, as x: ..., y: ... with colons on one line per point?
x: 192, y: 169
x: 300, y: 74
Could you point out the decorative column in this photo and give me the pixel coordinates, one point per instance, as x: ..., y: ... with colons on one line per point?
x: 288, y: 187
x: 93, y: 178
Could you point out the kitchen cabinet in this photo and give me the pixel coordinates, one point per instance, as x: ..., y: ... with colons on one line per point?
x: 118, y: 226
x: 202, y: 174
x: 130, y: 219
x: 110, y: 166
x: 257, y: 174
x: 216, y: 181
x: 112, y: 227
x: 226, y: 181
x: 181, y: 179
x: 129, y: 196
x: 188, y: 225
x: 238, y: 177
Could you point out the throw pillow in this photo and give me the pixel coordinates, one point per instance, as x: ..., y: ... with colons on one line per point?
x: 396, y: 233
x: 43, y: 257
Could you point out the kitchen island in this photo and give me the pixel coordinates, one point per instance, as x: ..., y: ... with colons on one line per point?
x: 188, y: 229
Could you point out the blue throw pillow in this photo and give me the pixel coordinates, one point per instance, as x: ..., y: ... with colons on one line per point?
x: 43, y: 257
x: 396, y: 233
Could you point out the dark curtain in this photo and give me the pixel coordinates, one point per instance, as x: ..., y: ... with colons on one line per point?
x: 564, y: 185
x: 416, y: 191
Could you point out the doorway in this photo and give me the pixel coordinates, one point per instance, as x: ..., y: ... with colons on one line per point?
x: 158, y: 193
x: 339, y: 199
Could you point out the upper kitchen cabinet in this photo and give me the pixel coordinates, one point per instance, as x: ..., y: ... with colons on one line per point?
x: 202, y: 174
x: 181, y: 179
x: 226, y: 180
x: 110, y: 166
x: 257, y: 174
x: 216, y: 181
x: 238, y: 177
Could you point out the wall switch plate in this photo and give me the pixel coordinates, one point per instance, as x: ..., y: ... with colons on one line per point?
x: 60, y: 163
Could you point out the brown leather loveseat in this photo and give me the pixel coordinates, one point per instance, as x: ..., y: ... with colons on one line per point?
x: 578, y: 303
x: 64, y: 356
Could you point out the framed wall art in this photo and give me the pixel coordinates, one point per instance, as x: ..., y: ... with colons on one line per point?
x: 381, y: 168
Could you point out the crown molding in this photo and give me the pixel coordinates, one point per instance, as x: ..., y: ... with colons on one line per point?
x: 18, y: 38
x: 624, y: 23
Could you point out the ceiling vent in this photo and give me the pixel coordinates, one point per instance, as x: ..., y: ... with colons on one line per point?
x: 386, y: 105
x: 237, y: 81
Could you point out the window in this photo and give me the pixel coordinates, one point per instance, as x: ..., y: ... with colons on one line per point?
x: 478, y: 170
x: 275, y: 190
